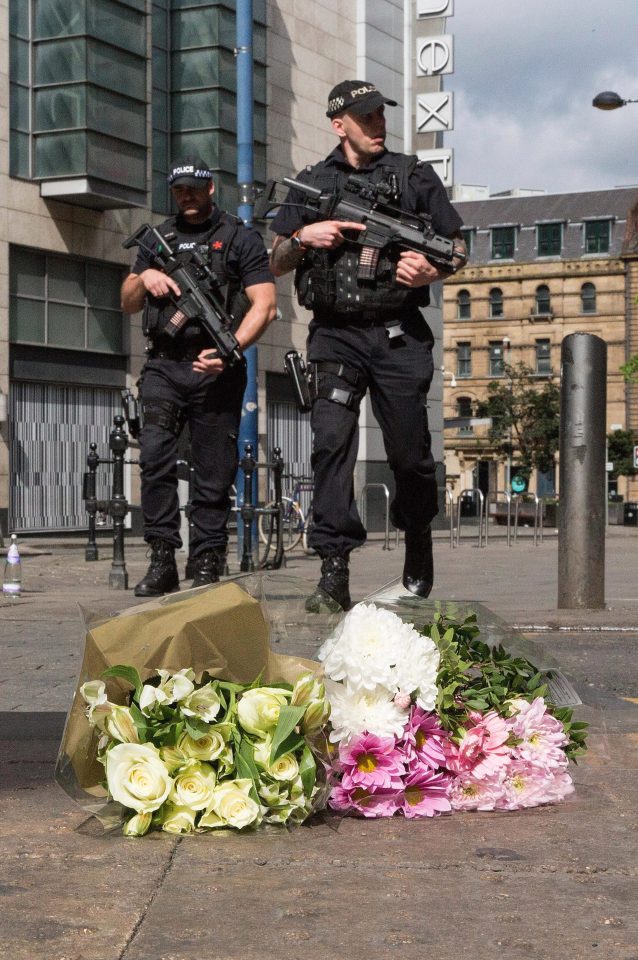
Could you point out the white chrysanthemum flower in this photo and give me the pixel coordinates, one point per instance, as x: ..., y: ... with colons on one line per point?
x: 373, y: 647
x: 354, y: 711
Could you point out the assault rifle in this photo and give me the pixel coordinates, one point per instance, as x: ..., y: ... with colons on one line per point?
x: 199, y: 297
x: 363, y: 202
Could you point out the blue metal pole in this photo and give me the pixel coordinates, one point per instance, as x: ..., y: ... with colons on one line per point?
x: 248, y: 430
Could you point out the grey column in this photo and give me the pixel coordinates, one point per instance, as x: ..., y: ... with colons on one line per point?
x: 581, y: 528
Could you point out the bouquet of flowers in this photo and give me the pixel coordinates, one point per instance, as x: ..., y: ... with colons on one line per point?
x: 185, y: 719
x: 434, y: 720
x: 188, y: 756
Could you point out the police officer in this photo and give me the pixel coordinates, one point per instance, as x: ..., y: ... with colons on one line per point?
x: 366, y: 335
x: 185, y: 382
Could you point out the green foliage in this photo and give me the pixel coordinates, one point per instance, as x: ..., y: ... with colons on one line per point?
x: 620, y: 452
x: 474, y: 676
x: 629, y: 370
x: 525, y: 418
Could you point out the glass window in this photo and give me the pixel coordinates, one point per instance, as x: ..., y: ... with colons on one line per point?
x: 464, y: 409
x: 27, y: 320
x: 204, y: 28
x: 104, y: 331
x: 116, y: 25
x: 103, y: 285
x: 57, y: 18
x: 464, y: 305
x: 549, y: 239
x: 116, y: 70
x: 503, y: 240
x: 65, y: 326
x: 597, y: 233
x: 60, y: 154
x: 588, y: 298
x: 27, y: 272
x: 543, y: 356
x: 59, y: 61
x: 468, y: 238
x: 65, y: 302
x: 543, y: 303
x: 496, y: 302
x: 496, y: 358
x: 195, y: 69
x: 463, y: 360
x: 66, y: 279
x: 60, y: 107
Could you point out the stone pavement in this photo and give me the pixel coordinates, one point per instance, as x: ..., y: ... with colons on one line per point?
x: 546, y: 883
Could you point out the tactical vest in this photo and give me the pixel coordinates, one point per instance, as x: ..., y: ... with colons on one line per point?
x: 214, y: 246
x: 326, y: 280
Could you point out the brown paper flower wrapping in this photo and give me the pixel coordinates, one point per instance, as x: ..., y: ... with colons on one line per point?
x: 221, y: 630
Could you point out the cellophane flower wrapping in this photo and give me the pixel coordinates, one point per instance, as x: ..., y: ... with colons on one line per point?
x: 185, y: 719
x: 432, y: 713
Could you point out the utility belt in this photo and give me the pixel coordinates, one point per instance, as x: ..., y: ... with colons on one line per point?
x: 163, y: 350
x: 317, y: 380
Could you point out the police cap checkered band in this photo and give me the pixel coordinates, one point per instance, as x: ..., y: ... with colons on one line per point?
x: 357, y: 96
x: 189, y: 172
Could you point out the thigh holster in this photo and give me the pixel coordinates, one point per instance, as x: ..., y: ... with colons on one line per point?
x: 350, y: 387
x: 163, y: 413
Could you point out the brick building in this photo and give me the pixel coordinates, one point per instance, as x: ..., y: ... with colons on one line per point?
x: 541, y: 267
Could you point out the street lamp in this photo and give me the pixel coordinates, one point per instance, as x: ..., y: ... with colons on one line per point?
x: 608, y: 100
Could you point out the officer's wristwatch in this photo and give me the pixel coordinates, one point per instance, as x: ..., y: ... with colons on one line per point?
x: 296, y: 243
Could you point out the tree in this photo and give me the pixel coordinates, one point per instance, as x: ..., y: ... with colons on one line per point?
x: 629, y: 370
x: 525, y: 418
x: 620, y: 452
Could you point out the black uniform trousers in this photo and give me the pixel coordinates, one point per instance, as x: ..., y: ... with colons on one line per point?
x: 211, y: 406
x: 398, y: 373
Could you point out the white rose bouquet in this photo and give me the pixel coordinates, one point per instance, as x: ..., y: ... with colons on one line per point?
x: 186, y: 756
x: 170, y: 729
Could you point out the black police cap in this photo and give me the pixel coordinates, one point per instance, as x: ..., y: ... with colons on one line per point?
x: 357, y: 96
x: 189, y: 172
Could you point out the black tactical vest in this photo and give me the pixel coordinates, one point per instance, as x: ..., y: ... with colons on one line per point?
x: 326, y: 280
x: 214, y: 245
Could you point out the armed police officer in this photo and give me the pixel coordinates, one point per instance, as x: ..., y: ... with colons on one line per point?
x: 366, y: 334
x: 186, y: 382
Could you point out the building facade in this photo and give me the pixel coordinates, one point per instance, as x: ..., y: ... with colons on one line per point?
x: 98, y: 96
x: 541, y: 267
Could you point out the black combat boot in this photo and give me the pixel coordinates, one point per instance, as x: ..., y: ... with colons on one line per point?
x: 161, y: 576
x: 418, y: 570
x: 332, y: 593
x: 207, y: 568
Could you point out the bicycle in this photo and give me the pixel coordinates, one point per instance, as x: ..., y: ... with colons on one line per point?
x: 296, y: 524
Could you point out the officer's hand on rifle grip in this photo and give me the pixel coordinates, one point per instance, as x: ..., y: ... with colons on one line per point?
x: 158, y: 284
x: 415, y: 270
x: 327, y: 233
x: 209, y: 361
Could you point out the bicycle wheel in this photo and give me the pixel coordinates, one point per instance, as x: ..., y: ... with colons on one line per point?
x: 292, y: 523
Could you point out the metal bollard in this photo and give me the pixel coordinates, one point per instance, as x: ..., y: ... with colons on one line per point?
x: 581, y: 527
x: 247, y: 512
x: 89, y: 495
x: 118, y: 505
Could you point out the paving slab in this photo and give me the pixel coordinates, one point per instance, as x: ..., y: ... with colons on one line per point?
x: 547, y: 883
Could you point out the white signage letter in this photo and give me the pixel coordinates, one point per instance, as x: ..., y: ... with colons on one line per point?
x: 434, y: 8
x: 434, y: 56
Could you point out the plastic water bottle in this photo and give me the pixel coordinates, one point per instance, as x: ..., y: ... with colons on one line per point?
x: 12, y: 581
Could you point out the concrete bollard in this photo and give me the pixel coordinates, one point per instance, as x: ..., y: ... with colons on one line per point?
x: 581, y: 527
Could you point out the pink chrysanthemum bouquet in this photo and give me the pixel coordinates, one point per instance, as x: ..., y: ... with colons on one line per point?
x: 428, y: 724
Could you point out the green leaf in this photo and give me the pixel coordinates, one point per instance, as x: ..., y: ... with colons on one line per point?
x: 127, y: 673
x: 245, y: 761
x: 291, y: 743
x: 196, y: 728
x: 307, y: 770
x: 289, y: 717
